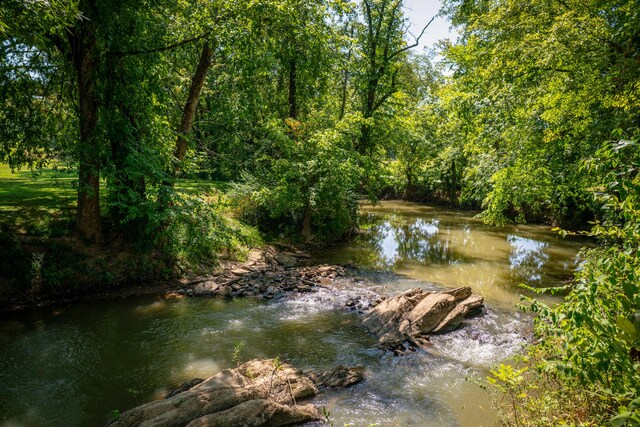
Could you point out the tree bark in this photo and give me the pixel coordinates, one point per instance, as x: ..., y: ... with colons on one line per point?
x: 189, y: 112
x: 83, y: 48
x: 453, y: 184
x: 293, y: 106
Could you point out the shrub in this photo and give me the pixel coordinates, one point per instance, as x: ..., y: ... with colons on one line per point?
x: 305, y: 185
x: 198, y: 229
x: 589, y: 345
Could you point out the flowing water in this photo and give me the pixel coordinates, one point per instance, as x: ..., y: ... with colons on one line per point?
x: 75, y: 365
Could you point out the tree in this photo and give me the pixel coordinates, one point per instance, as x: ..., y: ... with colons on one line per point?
x: 382, y: 44
x: 82, y: 50
x: 70, y: 38
x: 547, y: 82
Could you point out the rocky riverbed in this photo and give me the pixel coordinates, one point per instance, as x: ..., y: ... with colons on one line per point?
x: 271, y: 273
x: 267, y: 392
x: 401, y: 323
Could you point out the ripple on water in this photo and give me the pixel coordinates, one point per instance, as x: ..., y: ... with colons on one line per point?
x: 299, y: 306
x: 365, y: 406
x: 485, y: 340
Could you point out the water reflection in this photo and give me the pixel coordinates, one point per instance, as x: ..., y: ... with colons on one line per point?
x: 397, y: 241
x: 452, y: 248
x: 528, y: 257
x: 73, y: 366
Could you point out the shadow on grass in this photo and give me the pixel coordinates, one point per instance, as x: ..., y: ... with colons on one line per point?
x: 30, y: 202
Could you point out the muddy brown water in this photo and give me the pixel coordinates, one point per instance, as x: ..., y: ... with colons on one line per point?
x: 77, y: 365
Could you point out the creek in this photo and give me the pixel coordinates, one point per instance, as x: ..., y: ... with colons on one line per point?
x: 75, y: 365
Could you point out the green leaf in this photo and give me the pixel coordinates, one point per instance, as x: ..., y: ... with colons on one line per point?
x: 628, y: 327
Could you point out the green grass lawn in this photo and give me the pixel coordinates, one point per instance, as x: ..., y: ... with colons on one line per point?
x: 32, y: 200
x: 28, y: 199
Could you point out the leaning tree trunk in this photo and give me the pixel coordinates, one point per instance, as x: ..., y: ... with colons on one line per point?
x: 83, y: 44
x: 189, y: 112
x: 186, y: 124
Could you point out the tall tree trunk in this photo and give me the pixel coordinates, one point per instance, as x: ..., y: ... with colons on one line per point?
x: 409, y: 191
x: 189, y: 112
x: 127, y: 186
x: 345, y: 80
x: 293, y: 107
x: 364, y: 144
x: 83, y: 47
x: 307, y: 231
x: 186, y: 124
x: 453, y: 184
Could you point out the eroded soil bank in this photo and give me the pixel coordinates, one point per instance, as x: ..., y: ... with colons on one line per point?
x: 94, y: 273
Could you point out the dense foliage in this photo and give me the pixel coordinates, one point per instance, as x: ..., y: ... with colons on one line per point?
x: 587, y: 348
x: 294, y: 99
x: 546, y: 94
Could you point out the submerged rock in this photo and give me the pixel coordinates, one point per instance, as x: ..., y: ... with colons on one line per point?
x: 409, y: 318
x: 258, y: 393
x: 339, y: 377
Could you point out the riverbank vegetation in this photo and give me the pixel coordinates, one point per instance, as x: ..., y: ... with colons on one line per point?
x: 164, y: 134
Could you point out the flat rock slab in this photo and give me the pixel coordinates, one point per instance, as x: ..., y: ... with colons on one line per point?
x: 258, y: 413
x: 261, y: 392
x: 409, y: 318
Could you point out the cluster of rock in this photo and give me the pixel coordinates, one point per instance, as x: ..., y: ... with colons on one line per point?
x: 267, y: 274
x: 406, y: 320
x: 268, y: 393
x: 262, y: 392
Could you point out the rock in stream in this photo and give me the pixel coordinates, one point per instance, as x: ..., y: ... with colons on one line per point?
x: 409, y: 318
x: 261, y: 392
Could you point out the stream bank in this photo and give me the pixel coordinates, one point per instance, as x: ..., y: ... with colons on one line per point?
x: 75, y: 272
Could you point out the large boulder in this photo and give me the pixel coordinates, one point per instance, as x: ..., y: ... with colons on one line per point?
x: 385, y: 318
x: 463, y: 309
x: 409, y: 318
x: 427, y: 314
x: 257, y: 413
x: 258, y: 393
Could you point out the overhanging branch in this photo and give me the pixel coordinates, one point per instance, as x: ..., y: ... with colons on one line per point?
x: 162, y: 48
x: 417, y: 41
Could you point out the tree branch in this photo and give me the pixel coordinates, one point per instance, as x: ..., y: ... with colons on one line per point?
x: 162, y: 48
x: 417, y: 42
x: 386, y: 96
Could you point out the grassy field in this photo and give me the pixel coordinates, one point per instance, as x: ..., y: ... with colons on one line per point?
x: 28, y: 199
x: 42, y: 259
